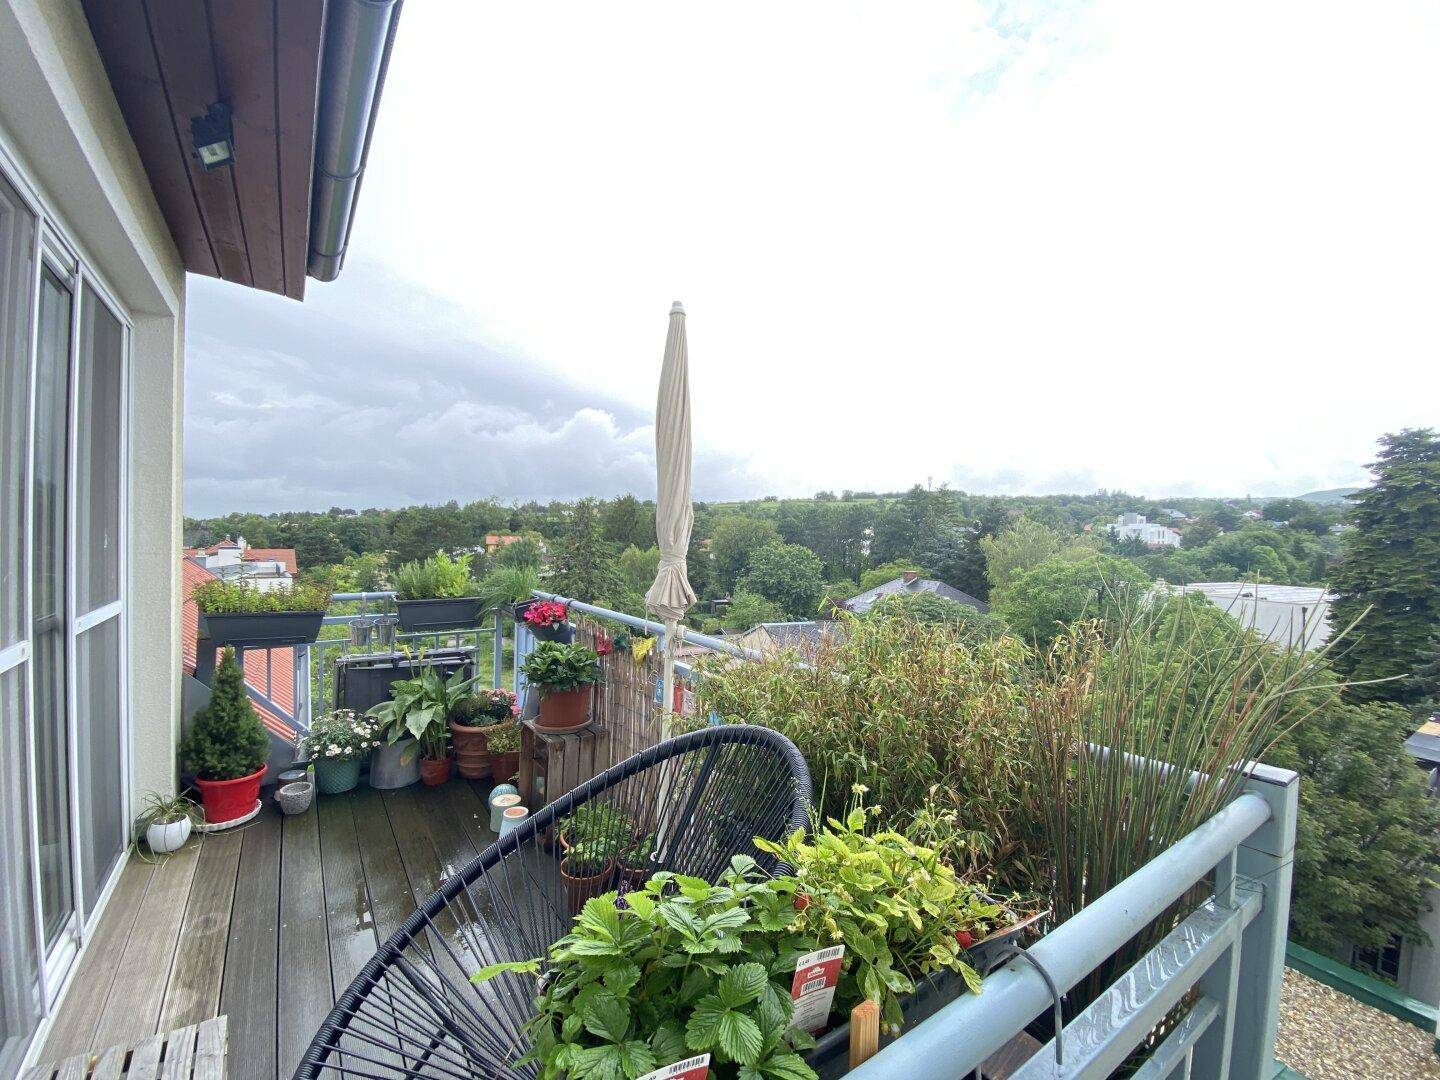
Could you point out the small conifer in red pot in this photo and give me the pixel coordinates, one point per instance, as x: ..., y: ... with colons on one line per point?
x: 226, y: 747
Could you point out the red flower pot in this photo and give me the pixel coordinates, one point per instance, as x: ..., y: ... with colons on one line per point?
x: 563, y: 711
x: 226, y: 800
x: 504, y: 766
x: 435, y: 771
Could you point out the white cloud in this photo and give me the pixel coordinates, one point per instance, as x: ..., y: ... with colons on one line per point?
x: 1019, y: 246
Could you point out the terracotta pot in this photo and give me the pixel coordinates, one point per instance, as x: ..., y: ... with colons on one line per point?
x: 435, y: 771
x: 635, y: 879
x: 580, y: 889
x: 472, y: 750
x: 504, y: 766
x: 226, y: 800
x: 563, y: 711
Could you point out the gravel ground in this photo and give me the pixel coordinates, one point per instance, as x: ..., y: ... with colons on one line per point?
x: 1325, y: 1035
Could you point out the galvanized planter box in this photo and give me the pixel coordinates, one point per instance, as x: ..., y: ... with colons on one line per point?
x: 262, y: 629
x: 448, y: 614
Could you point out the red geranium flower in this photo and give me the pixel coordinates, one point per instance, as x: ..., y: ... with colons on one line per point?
x: 546, y: 613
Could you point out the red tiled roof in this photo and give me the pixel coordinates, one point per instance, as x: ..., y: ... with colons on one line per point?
x: 280, y: 555
x: 494, y: 540
x: 281, y: 661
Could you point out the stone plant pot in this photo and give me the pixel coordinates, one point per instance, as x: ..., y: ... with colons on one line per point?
x: 563, y: 711
x: 335, y: 777
x: 435, y: 771
x: 395, y: 765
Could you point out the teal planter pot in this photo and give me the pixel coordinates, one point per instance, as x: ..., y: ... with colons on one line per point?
x: 333, y: 777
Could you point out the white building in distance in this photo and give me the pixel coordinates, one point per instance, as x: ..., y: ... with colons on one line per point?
x: 1134, y: 526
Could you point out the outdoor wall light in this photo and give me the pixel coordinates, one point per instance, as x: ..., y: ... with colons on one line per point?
x: 213, y: 137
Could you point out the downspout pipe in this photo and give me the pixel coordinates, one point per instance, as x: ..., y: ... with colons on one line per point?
x: 358, y: 38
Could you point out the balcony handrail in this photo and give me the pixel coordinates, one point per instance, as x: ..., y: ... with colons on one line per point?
x: 692, y: 637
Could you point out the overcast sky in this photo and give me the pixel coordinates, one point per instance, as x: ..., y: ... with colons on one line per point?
x: 1012, y: 247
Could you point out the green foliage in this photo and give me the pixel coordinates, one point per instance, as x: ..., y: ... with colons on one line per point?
x: 627, y: 522
x: 157, y: 809
x: 876, y: 576
x: 788, y: 575
x: 438, y: 577
x: 524, y: 552
x: 896, y: 906
x: 1038, y: 604
x: 733, y: 541
x: 1026, y: 544
x: 682, y: 968
x: 239, y: 597
x: 504, y: 739
x: 507, y: 585
x: 935, y: 610
x: 226, y: 739
x: 419, y: 708
x: 749, y: 609
x: 483, y: 707
x: 1388, y: 571
x: 554, y: 666
x: 585, y: 564
x: 912, y: 712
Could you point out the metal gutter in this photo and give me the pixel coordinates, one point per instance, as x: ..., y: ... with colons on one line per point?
x: 359, y: 35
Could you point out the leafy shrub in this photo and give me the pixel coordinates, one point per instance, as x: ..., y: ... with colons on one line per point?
x: 935, y: 610
x: 419, y: 707
x: 227, y: 740
x: 683, y: 967
x: 553, y: 666
x: 437, y: 578
x: 506, y: 585
x: 504, y: 739
x: 913, y: 712
x: 242, y: 598
x: 484, y: 708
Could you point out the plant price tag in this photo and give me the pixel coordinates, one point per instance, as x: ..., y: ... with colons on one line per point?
x: 694, y: 1068
x: 816, y: 976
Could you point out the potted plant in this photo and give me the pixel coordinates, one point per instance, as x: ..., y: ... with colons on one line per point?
x: 165, y: 822
x: 336, y: 745
x: 418, y: 711
x: 472, y: 721
x: 635, y: 861
x: 564, y: 675
x: 504, y: 751
x: 437, y: 594
x: 238, y: 613
x: 594, y: 819
x: 586, y: 870
x: 548, y: 620
x: 227, y: 747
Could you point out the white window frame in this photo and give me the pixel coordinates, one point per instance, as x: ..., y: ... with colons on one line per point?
x: 55, y: 245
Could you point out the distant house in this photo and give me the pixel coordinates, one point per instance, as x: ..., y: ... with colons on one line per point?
x: 1135, y: 527
x: 912, y: 583
x: 772, y: 638
x: 1175, y: 515
x: 1285, y: 614
x: 265, y: 568
x: 1252, y: 515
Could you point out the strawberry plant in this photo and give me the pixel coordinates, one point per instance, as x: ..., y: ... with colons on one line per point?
x: 676, y: 968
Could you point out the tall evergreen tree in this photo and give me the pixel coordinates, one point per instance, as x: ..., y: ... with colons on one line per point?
x: 226, y: 740
x: 1390, y: 564
x: 585, y: 565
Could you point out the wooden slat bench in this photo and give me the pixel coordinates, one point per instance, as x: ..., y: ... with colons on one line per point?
x: 192, y: 1053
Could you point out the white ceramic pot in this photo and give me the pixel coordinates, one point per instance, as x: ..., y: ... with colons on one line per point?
x: 512, y: 817
x: 499, y: 803
x: 165, y: 838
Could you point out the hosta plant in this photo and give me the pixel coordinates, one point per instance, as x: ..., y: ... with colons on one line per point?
x: 418, y: 708
x: 897, y: 907
x: 676, y: 968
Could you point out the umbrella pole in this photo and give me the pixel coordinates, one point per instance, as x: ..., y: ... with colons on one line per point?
x: 667, y: 679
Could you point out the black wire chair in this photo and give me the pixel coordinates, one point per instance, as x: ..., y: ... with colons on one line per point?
x: 687, y: 805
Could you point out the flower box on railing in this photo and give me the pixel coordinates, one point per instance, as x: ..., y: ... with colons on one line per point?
x: 450, y: 613
x: 262, y: 629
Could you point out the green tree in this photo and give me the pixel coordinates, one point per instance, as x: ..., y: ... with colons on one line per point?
x: 749, y: 609
x: 788, y: 575
x: 627, y: 522
x: 1390, y: 565
x: 523, y: 552
x: 734, y: 539
x: 932, y: 609
x: 585, y: 564
x: 226, y: 739
x: 1199, y: 533
x: 1037, y: 603
x: 1025, y: 544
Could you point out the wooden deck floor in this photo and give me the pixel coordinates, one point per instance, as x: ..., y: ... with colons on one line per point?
x: 267, y: 924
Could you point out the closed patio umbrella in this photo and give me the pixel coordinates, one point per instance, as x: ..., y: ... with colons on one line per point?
x: 671, y: 595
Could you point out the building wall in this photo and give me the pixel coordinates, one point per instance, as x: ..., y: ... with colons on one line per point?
x: 58, y: 116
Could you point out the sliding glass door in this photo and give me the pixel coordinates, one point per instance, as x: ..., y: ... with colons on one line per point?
x: 64, y: 728
x: 20, y: 992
